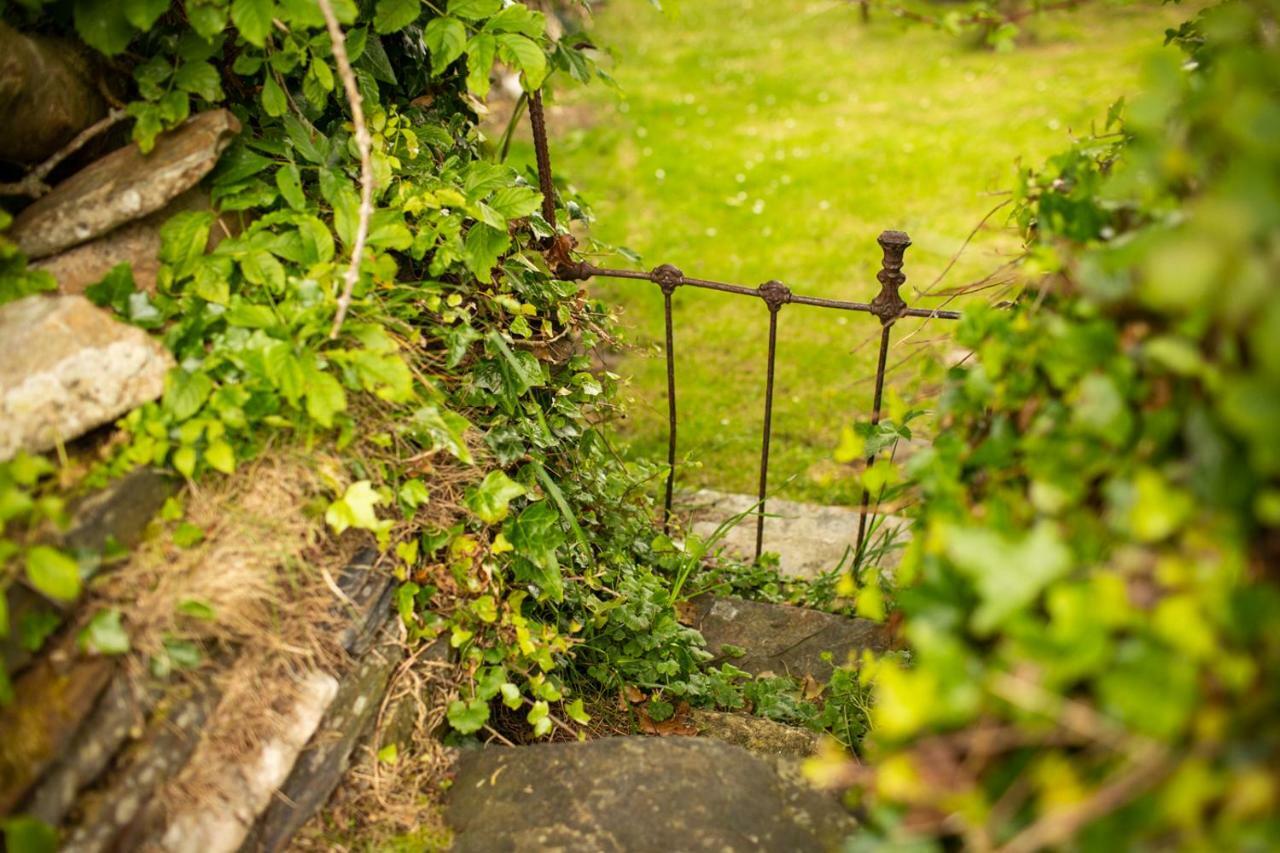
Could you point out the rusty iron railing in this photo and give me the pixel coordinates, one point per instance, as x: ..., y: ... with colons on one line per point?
x: 888, y: 306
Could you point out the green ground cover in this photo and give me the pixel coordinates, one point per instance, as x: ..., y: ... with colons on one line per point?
x: 758, y: 140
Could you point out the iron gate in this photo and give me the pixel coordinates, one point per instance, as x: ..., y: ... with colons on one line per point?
x: 888, y: 306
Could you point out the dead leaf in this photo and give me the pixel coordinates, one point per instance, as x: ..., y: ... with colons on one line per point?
x: 687, y: 613
x: 678, y: 725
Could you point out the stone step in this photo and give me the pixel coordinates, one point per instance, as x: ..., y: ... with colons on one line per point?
x: 780, y: 639
x: 810, y: 539
x: 636, y: 794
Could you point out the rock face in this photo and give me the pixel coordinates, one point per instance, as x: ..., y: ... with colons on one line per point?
x: 809, y: 539
x: 636, y: 794
x: 48, y: 94
x: 123, y: 186
x: 69, y: 367
x: 137, y: 244
x: 781, y: 639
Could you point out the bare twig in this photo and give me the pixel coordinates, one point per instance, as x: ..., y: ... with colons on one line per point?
x: 1060, y: 825
x: 364, y: 143
x: 967, y: 240
x: 33, y: 183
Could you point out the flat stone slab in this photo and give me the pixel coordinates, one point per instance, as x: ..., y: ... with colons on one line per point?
x: 123, y: 186
x: 636, y: 794
x: 810, y: 539
x: 70, y: 366
x: 781, y: 639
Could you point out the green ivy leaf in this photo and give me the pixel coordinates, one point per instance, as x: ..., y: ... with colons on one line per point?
x: 325, y: 397
x: 23, y: 834
x: 468, y: 717
x: 480, y: 54
x: 53, y: 573
x: 536, y: 535
x: 395, y: 15
x: 185, y: 393
x: 199, y: 78
x: 183, y: 239
x: 274, y: 102
x: 289, y: 182
x: 473, y: 10
x: 105, y: 634
x: 435, y: 429
x: 103, y: 25
x: 516, y: 202
x: 446, y: 39
x: 220, y: 457
x: 355, y: 508
x: 523, y: 53
x: 1008, y: 574
x: 481, y: 249
x: 143, y: 13
x: 207, y: 19
x: 489, y: 501
x: 253, y: 19
x: 518, y: 18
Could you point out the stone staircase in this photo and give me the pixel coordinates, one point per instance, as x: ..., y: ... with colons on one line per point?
x: 738, y: 786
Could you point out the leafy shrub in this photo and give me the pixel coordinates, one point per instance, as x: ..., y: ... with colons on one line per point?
x: 1091, y: 599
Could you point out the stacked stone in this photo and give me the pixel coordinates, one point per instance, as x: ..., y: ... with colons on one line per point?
x: 88, y: 746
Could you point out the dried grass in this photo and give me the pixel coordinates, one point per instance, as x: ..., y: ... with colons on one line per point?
x: 259, y: 572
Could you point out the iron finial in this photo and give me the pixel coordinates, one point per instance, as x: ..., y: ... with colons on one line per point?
x: 889, y: 304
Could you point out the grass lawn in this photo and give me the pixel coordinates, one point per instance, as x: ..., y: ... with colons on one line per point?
x: 776, y: 139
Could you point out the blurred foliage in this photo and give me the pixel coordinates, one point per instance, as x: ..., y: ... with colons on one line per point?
x: 1091, y: 601
x: 995, y: 24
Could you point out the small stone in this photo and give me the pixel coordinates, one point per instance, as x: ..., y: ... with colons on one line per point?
x: 780, y: 639
x: 123, y: 186
x: 808, y: 538
x: 756, y: 734
x: 70, y: 367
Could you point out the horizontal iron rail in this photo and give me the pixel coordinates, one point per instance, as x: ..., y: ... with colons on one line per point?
x: 888, y: 306
x: 581, y: 271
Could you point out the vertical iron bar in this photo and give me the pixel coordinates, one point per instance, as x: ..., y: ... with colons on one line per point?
x: 538, y: 125
x: 768, y: 425
x: 775, y: 294
x: 671, y: 412
x: 875, y: 419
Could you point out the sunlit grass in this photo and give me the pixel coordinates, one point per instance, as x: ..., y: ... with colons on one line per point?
x: 759, y: 140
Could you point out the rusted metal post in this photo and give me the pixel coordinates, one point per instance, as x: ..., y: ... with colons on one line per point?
x: 668, y: 279
x: 538, y: 126
x: 888, y: 306
x: 775, y: 294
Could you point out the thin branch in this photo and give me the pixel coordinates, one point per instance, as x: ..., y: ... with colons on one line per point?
x: 33, y: 183
x: 967, y: 240
x: 364, y: 143
x: 1061, y: 825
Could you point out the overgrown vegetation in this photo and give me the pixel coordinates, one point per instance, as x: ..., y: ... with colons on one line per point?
x: 1091, y: 597
x: 459, y: 353
x: 1089, y: 601
x: 455, y: 389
